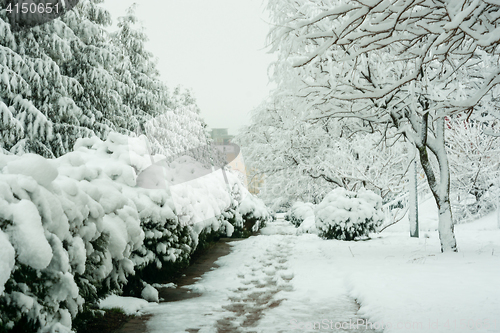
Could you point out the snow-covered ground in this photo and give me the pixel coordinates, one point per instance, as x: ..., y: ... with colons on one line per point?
x: 280, y: 282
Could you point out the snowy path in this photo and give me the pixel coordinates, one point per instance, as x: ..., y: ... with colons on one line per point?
x: 274, y: 282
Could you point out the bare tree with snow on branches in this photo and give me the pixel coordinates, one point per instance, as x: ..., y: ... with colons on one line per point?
x: 404, y: 64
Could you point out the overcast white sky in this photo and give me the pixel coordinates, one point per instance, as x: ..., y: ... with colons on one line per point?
x: 214, y: 47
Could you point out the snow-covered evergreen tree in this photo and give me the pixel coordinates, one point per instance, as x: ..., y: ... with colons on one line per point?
x: 60, y: 87
x: 25, y: 125
x: 142, y: 91
x: 92, y: 65
x: 70, y: 78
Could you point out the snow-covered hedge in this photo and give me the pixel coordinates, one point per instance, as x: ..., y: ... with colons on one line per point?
x: 308, y: 226
x: 255, y: 215
x: 299, y: 212
x: 346, y: 215
x: 78, y: 227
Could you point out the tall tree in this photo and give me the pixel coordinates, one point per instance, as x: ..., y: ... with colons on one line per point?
x: 60, y: 82
x: 142, y: 91
x: 33, y: 88
x: 92, y: 65
x: 64, y: 80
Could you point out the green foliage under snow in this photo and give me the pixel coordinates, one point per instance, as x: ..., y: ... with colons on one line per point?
x: 347, y: 215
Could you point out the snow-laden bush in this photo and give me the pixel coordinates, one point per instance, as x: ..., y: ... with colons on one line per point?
x: 308, y: 226
x: 299, y: 212
x: 346, y: 215
x: 254, y: 213
x: 43, y: 224
x: 78, y: 227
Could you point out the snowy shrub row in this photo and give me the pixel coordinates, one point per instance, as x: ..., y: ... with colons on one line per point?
x: 76, y: 228
x: 346, y: 215
x: 299, y: 212
x: 254, y: 213
x: 308, y: 226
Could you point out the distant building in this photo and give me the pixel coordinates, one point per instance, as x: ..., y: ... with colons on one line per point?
x: 221, y: 136
x: 222, y: 139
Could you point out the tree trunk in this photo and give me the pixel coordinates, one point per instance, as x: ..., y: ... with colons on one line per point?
x: 441, y: 189
x: 413, y: 200
x: 445, y: 228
